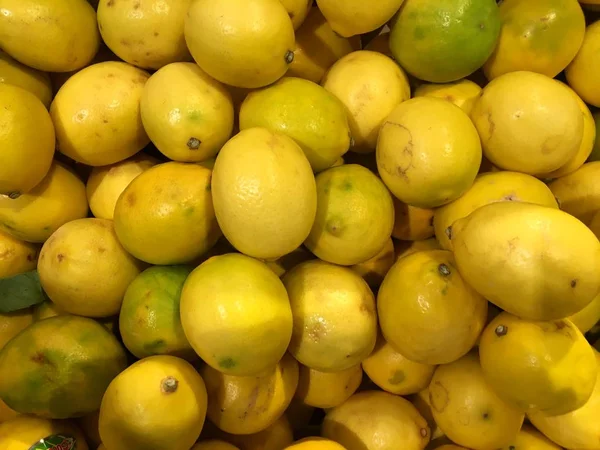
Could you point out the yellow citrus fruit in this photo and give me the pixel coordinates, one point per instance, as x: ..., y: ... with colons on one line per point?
x: 528, y: 123
x: 577, y: 193
x: 405, y: 248
x: 462, y: 93
x: 411, y: 222
x: 337, y: 228
x: 538, y: 366
x: 466, y: 408
x: 146, y: 34
x: 297, y: 10
x: 187, y: 114
x: 242, y: 43
x: 16, y: 256
x: 249, y: 404
x: 275, y: 437
x: 287, y: 262
x: 236, y: 314
x: 157, y: 402
x: 427, y: 311
x: 214, y: 444
x: 423, y: 164
x: 370, y: 85
x: 327, y: 389
x: 96, y: 114
x: 588, y: 317
x: 13, y: 323
x: 349, y: 18
x: 17, y: 74
x: 580, y: 73
x: 84, y: 269
x: 335, y: 323
x: 505, y: 244
x: 264, y: 193
x: 23, y: 432
x: 374, y: 270
x: 315, y: 443
x: 421, y: 401
x: 530, y: 439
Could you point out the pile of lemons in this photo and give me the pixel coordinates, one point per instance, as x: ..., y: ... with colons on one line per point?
x: 269, y: 225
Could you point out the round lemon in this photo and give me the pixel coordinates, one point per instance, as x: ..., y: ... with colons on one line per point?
x: 374, y: 270
x: 17, y: 74
x: 275, y: 437
x: 462, y: 93
x: 411, y: 222
x: 580, y: 73
x: 214, y: 444
x: 16, y: 256
x: 315, y: 443
x: 577, y: 193
x: 13, y: 323
x: 23, y: 432
x: 531, y: 439
x: 297, y: 10
x: 588, y: 317
x: 327, y: 389
x: 405, y: 248
x: 349, y: 18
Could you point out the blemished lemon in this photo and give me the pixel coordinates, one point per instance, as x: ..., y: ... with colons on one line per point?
x: 577, y: 193
x: 546, y: 367
x: 423, y: 164
x: 32, y: 80
x: 16, y: 256
x: 327, y: 389
x: 462, y: 93
x: 580, y: 73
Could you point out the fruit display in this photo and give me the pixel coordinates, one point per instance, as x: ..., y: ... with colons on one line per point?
x: 299, y: 225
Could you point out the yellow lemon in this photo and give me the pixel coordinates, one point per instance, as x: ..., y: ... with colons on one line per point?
x: 528, y: 123
x: 578, y: 429
x: 17, y: 74
x: 23, y: 432
x: 405, y: 248
x: 393, y: 373
x: 318, y: 47
x: 96, y: 114
x: 423, y: 164
x: 249, y: 404
x: 376, y: 420
x: 187, y: 114
x: 370, y: 85
x: 297, y: 10
x: 466, y: 408
x: 427, y: 311
x: 421, y: 401
x: 132, y: 414
x: 335, y: 322
x: 327, y: 389
x: 538, y: 366
x: 236, y: 314
x: 26, y: 140
x: 16, y: 256
x: 84, y: 269
x: 577, y: 193
x: 166, y: 216
x: 374, y: 270
x: 411, y: 222
x: 463, y: 93
x: 531, y: 439
x: 275, y: 437
x: 338, y: 228
x: 349, y: 18
x: 146, y: 34
x: 214, y: 444
x: 13, y: 323
x: 550, y: 255
x: 49, y: 35
x: 491, y: 187
x: 243, y: 43
x: 34, y: 216
x: 315, y: 443
x: 580, y: 73
x: 588, y: 317
x: 594, y: 224
x: 305, y: 112
x: 264, y: 193
x: 106, y: 183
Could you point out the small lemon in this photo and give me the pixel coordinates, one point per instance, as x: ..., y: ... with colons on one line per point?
x: 580, y: 73
x: 412, y: 223
x: 577, y: 193
x: 16, y: 256
x: 463, y: 93
x: 275, y: 437
x: 349, y: 18
x: 588, y: 317
x: 34, y: 81
x: 327, y: 389
x: 374, y: 270
x: 13, y: 323
x: 297, y: 10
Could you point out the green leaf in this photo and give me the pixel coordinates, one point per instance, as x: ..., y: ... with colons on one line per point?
x: 20, y: 292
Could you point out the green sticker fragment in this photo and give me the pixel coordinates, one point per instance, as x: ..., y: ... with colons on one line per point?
x: 55, y: 442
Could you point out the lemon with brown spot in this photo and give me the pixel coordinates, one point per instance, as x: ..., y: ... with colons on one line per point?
x: 23, y: 432
x: 187, y: 114
x: 236, y: 314
x: 327, y: 389
x: 166, y: 215
x: 463, y: 93
x: 370, y: 85
x: 374, y: 270
x: 580, y: 72
x: 354, y: 17
x: 337, y: 228
x: 428, y: 165
x: 335, y: 321
x: 96, y: 114
x: 315, y: 443
x: 214, y: 444
x: 528, y: 123
x: 577, y: 193
x: 132, y: 414
x: 16, y: 256
x: 17, y: 74
x: 531, y: 439
x: 427, y: 311
x: 491, y: 187
x: 543, y: 366
x: 411, y: 222
x: 84, y: 269
x: 13, y: 323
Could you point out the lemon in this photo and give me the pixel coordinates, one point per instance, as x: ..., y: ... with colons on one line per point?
x: 595, y: 155
x: 550, y: 255
x: 349, y: 18
x: 34, y: 216
x: 187, y: 114
x: 12, y: 324
x: 538, y: 366
x: 132, y: 414
x: 287, y: 262
x: 528, y: 123
x: 335, y: 323
x: 427, y: 311
x: 297, y: 10
x: 84, y: 269
x: 213, y: 444
x: 423, y: 164
x: 466, y: 408
x: 405, y: 248
x: 580, y: 72
x: 588, y: 317
x: 370, y: 85
x: 374, y: 270
x: 315, y: 443
x: 17, y: 74
x: 305, y: 112
x: 264, y: 193
x: 49, y: 35
x: 577, y: 193
x: 242, y: 43
x: 27, y: 141
x: 491, y: 187
x: 376, y: 420
x: 236, y: 314
x: 422, y: 402
x: 353, y: 206
x: 96, y: 114
x: 146, y: 34
x: 23, y: 432
x: 275, y: 437
x: 412, y: 223
x: 106, y: 183
x: 249, y: 404
x: 463, y: 93
x: 16, y: 256
x: 166, y: 216
x: 394, y: 373
x: 327, y: 389
x: 531, y: 439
